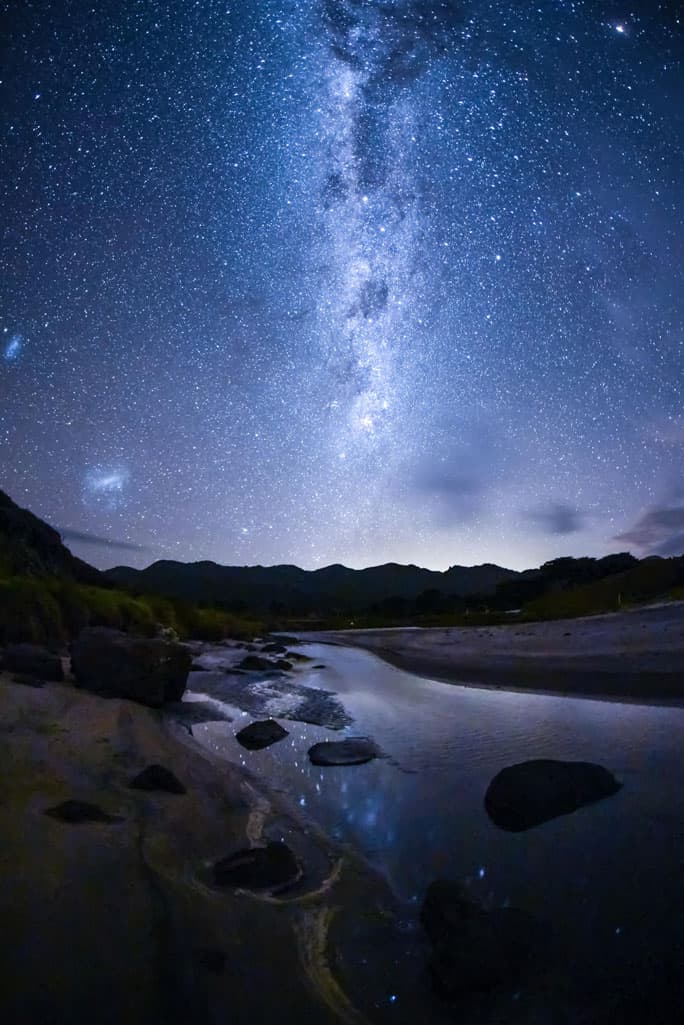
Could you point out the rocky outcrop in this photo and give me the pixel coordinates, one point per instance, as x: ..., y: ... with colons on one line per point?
x: 116, y: 665
x: 32, y: 660
x: 525, y: 795
x: 261, y: 734
x: 474, y: 950
x: 351, y: 751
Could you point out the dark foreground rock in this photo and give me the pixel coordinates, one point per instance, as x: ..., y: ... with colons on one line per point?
x: 157, y: 777
x: 80, y: 811
x: 474, y: 950
x: 272, y: 867
x: 32, y: 660
x: 114, y: 664
x: 525, y: 795
x: 351, y: 751
x: 261, y: 734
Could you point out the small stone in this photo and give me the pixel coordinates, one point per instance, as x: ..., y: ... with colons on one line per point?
x: 351, y: 751
x: 261, y: 734
x: 80, y: 811
x: 156, y: 777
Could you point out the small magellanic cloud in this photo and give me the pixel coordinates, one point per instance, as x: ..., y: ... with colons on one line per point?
x: 13, y: 348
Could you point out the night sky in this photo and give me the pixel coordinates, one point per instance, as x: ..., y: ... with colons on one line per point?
x: 343, y: 280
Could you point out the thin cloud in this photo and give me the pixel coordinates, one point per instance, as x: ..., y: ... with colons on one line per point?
x: 100, y: 542
x: 660, y: 531
x: 558, y: 519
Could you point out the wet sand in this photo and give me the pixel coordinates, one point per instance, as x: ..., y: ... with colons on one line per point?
x: 636, y: 655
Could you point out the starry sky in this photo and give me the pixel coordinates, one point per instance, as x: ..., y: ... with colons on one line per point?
x: 343, y: 280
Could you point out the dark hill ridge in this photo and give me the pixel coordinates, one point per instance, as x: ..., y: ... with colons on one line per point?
x: 330, y: 587
x: 28, y: 546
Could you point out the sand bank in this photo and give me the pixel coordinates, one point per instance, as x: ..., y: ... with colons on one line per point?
x: 636, y: 655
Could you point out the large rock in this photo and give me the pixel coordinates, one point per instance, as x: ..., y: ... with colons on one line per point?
x: 529, y: 793
x: 474, y: 950
x: 32, y: 660
x: 116, y: 665
x: 351, y: 751
x: 261, y: 734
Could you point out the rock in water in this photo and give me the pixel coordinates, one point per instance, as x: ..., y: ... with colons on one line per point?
x: 525, y: 795
x: 114, y: 664
x: 32, y: 660
x: 80, y: 811
x: 275, y: 648
x: 261, y: 734
x: 258, y: 868
x: 351, y: 751
x: 255, y: 663
x: 156, y: 777
x: 282, y: 663
x: 474, y: 950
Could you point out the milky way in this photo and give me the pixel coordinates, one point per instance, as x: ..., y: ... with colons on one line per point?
x: 345, y: 280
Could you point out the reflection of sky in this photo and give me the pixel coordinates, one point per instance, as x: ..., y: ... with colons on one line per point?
x: 418, y: 813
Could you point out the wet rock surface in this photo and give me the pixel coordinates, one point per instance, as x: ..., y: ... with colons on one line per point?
x: 261, y: 734
x: 32, y: 660
x: 350, y: 751
x: 527, y: 794
x: 114, y: 664
x: 272, y: 867
x: 157, y: 777
x: 476, y: 950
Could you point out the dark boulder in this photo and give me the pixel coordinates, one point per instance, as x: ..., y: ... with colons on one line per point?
x: 157, y: 777
x: 319, y: 666
x: 261, y: 734
x: 351, y: 751
x: 282, y: 663
x: 474, y: 950
x: 525, y: 795
x: 74, y: 812
x: 274, y: 648
x: 117, y: 665
x: 254, y: 663
x: 32, y: 660
x: 258, y: 868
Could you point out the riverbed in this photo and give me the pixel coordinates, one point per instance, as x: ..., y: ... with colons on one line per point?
x: 607, y: 880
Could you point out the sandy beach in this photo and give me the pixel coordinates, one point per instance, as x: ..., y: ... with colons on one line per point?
x: 635, y: 655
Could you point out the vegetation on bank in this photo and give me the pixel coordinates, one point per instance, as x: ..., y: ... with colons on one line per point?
x: 52, y: 610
